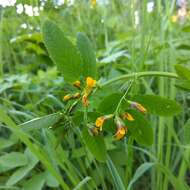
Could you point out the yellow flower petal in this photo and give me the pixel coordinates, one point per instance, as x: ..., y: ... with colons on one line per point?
x: 76, y: 95
x: 99, y: 122
x: 90, y: 82
x: 67, y: 97
x: 85, y: 100
x: 77, y: 84
x: 121, y: 132
x: 138, y: 106
x: 141, y: 108
x: 128, y: 116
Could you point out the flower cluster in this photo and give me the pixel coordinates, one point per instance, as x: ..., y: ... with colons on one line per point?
x: 122, y: 129
x: 84, y: 92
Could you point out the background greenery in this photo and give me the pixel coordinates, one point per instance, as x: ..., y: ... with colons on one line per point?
x: 52, y: 152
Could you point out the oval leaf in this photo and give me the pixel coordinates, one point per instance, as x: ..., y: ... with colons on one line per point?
x: 158, y: 105
x: 12, y: 160
x: 109, y: 103
x: 95, y: 145
x: 41, y: 122
x: 88, y: 55
x: 140, y: 129
x: 62, y: 51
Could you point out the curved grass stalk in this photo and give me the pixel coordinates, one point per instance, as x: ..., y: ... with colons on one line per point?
x: 140, y: 75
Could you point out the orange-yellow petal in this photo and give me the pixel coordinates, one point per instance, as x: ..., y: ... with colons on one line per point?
x: 94, y: 131
x: 141, y: 108
x: 128, y: 116
x: 90, y: 82
x: 99, y: 122
x: 121, y: 132
x: 77, y: 84
x: 85, y: 100
x: 76, y: 95
x: 138, y: 106
x: 67, y: 97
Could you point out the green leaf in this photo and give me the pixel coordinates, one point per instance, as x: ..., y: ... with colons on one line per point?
x: 139, y: 172
x: 88, y: 55
x: 62, y: 51
x: 12, y: 160
x: 183, y: 85
x: 41, y: 122
x: 183, y: 72
x: 109, y: 103
x: 82, y: 182
x: 50, y: 180
x: 22, y: 172
x: 158, y: 105
x: 187, y: 132
x: 184, y: 80
x: 5, y: 143
x: 118, y: 183
x: 140, y: 128
x: 95, y: 145
x: 24, y: 137
x: 36, y: 182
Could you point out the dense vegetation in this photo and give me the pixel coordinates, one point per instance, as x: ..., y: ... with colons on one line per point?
x: 94, y: 95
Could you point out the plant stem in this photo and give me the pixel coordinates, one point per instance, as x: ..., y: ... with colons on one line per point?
x: 139, y: 75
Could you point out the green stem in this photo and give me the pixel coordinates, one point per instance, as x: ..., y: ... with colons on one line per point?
x: 139, y: 75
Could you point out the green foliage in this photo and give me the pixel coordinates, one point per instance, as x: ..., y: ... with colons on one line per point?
x: 20, y: 173
x: 109, y: 104
x: 42, y: 122
x: 36, y: 182
x: 139, y: 172
x: 118, y: 184
x: 45, y: 144
x: 140, y: 129
x: 159, y: 105
x: 95, y: 145
x: 88, y: 55
x: 186, y: 130
x: 184, y: 74
x: 12, y: 160
x: 62, y: 51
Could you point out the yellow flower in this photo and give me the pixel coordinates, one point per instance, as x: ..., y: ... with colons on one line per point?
x: 138, y: 106
x: 121, y: 132
x: 141, y: 108
x: 77, y: 84
x: 67, y: 97
x: 128, y: 116
x: 94, y: 131
x: 99, y: 122
x: 90, y: 82
x: 76, y: 95
x: 174, y: 18
x: 93, y: 3
x: 85, y: 100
